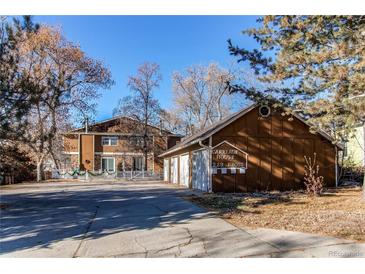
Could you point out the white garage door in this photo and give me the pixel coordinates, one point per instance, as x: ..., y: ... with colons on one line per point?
x: 200, y: 177
x: 174, y: 171
x: 166, y: 167
x: 184, y: 170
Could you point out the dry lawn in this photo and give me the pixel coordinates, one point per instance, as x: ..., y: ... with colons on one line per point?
x: 339, y: 213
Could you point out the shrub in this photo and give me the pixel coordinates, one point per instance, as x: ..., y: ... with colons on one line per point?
x: 312, y: 180
x: 16, y: 163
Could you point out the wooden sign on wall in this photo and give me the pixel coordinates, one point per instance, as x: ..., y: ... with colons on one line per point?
x: 226, y: 155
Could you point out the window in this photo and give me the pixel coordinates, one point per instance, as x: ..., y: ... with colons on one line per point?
x: 109, y: 141
x: 66, y: 162
x: 108, y: 164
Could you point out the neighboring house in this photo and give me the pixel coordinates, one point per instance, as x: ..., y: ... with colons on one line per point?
x: 255, y: 149
x: 354, y: 150
x: 115, y: 144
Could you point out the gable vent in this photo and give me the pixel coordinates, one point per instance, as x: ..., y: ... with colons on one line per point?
x: 264, y: 111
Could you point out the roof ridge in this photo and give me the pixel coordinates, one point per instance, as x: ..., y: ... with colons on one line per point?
x: 202, y: 134
x: 211, y: 127
x: 118, y: 117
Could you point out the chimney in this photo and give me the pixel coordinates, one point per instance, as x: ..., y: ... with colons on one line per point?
x: 86, y: 125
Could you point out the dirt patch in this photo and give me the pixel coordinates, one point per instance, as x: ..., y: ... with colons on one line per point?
x: 339, y: 213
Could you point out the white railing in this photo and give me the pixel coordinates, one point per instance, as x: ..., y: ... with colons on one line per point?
x: 140, y: 174
x: 94, y: 175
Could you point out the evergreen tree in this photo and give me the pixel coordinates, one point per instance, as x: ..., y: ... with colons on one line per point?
x: 17, y: 93
x: 319, y: 65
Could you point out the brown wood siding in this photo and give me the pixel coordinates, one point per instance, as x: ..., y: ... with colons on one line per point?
x: 123, y: 145
x: 71, y: 143
x: 172, y: 140
x: 87, y: 152
x: 157, y: 145
x: 276, y: 148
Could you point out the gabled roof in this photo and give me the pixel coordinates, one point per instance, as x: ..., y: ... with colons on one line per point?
x: 217, y: 126
x: 76, y: 130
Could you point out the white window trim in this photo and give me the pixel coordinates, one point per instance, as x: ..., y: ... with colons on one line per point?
x: 107, y: 159
x: 109, y: 140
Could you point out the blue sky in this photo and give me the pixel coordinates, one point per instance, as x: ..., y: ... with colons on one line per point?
x: 174, y: 42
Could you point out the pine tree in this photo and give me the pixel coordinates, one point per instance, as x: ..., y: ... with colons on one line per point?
x: 315, y: 65
x: 17, y: 93
x: 318, y: 66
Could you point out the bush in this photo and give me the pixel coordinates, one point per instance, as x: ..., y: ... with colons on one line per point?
x: 15, y: 163
x: 312, y: 180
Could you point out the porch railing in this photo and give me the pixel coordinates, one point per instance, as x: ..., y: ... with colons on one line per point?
x: 94, y: 175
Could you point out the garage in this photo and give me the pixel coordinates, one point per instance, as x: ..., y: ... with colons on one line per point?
x: 255, y: 149
x: 200, y: 170
x: 174, y: 170
x: 166, y: 170
x: 184, y: 170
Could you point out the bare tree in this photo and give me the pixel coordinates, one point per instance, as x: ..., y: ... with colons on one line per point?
x: 201, y: 95
x: 141, y: 105
x: 312, y: 180
x: 65, y: 80
x: 171, y: 121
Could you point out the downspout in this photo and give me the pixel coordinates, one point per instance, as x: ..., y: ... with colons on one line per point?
x: 209, y: 148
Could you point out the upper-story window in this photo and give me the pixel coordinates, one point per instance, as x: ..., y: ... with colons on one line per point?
x: 109, y: 140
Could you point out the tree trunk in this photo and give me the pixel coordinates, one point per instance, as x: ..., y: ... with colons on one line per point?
x: 145, y: 160
x: 39, y: 171
x: 145, y: 151
x: 54, y: 158
x: 39, y: 168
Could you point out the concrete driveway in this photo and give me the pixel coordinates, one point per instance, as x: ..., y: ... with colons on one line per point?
x: 144, y: 219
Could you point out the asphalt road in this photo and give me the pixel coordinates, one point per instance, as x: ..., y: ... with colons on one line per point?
x: 144, y: 219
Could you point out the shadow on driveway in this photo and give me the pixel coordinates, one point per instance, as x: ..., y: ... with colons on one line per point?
x: 40, y: 219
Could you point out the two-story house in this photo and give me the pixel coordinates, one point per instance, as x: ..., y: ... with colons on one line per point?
x: 115, y: 145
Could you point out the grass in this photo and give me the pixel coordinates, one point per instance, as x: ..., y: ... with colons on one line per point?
x: 337, y: 212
